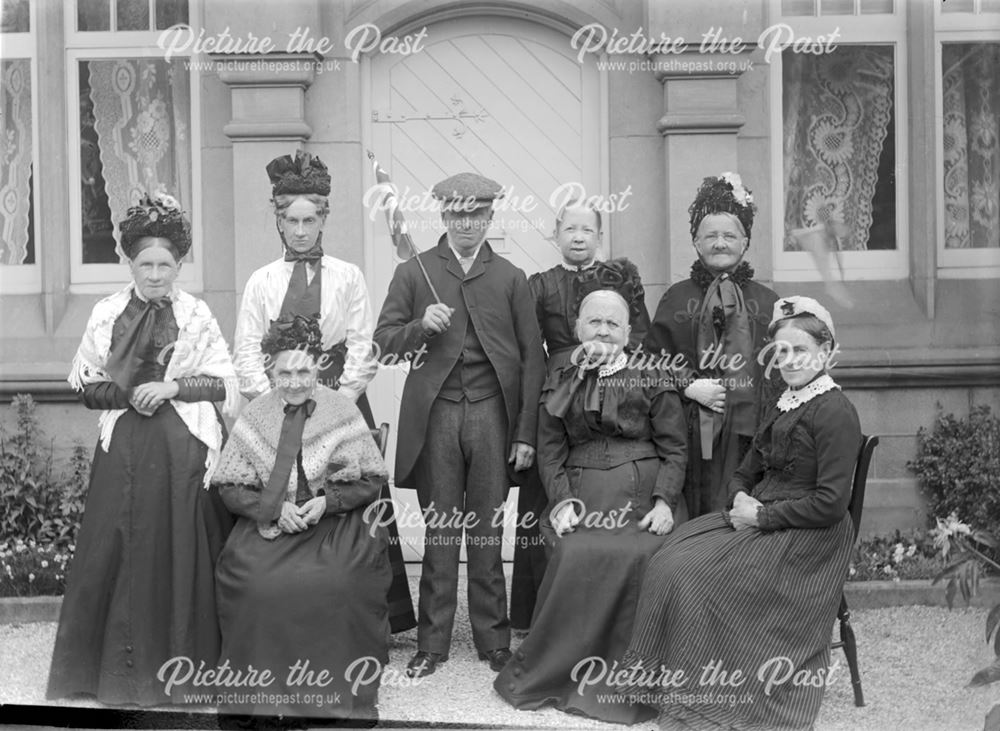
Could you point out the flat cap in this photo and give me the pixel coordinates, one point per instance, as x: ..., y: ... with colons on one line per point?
x: 466, y: 192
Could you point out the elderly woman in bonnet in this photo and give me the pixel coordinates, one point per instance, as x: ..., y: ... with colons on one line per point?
x: 302, y: 580
x: 140, y: 588
x: 717, y: 321
x: 755, y: 590
x: 557, y: 293
x: 611, y: 454
x: 308, y: 282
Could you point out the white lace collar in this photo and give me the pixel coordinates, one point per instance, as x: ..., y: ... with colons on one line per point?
x: 793, y: 399
x: 571, y: 268
x: 612, y: 368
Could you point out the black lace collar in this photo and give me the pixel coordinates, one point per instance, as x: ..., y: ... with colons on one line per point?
x: 701, y: 276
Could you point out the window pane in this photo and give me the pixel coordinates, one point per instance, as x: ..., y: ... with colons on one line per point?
x: 958, y: 6
x: 837, y: 7
x: 17, y: 245
x: 839, y: 147
x: 798, y: 7
x: 93, y: 14
x: 135, y: 116
x: 171, y: 12
x: 989, y: 6
x: 15, y: 16
x: 870, y: 7
x: 133, y: 15
x: 971, y: 105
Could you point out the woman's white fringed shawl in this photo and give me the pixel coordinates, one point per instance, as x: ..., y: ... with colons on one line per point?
x: 200, y: 350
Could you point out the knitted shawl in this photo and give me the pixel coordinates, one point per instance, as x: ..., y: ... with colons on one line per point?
x: 336, y: 444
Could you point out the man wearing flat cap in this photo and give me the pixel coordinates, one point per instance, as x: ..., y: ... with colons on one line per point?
x: 468, y: 413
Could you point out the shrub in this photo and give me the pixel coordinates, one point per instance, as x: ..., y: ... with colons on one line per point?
x: 958, y: 466
x: 35, y: 504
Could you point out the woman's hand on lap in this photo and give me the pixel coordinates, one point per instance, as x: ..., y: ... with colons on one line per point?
x: 290, y: 520
x: 312, y: 510
x: 659, y: 520
x: 744, y: 512
x: 565, y: 520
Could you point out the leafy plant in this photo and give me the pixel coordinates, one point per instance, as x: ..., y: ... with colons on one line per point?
x: 36, y: 504
x: 958, y: 541
x: 957, y: 465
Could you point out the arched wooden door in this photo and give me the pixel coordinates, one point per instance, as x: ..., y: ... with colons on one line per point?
x: 503, y: 97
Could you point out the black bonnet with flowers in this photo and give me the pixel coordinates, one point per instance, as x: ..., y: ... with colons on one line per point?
x: 158, y: 217
x: 618, y: 275
x: 723, y: 194
x: 293, y: 333
x: 302, y: 175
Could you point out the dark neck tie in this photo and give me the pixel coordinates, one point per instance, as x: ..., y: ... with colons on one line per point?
x: 302, y: 296
x: 289, y: 444
x: 126, y: 356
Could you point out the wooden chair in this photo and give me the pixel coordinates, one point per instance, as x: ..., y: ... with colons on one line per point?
x: 847, y: 642
x: 381, y: 436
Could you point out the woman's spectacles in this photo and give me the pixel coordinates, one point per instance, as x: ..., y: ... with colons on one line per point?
x: 728, y: 237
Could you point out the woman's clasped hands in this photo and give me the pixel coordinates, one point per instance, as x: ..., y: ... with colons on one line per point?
x: 295, y: 519
x: 744, y: 512
x: 147, y: 397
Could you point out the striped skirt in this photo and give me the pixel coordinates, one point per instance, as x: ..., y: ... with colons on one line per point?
x: 733, y: 627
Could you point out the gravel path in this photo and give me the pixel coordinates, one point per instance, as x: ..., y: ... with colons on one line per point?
x: 915, y: 662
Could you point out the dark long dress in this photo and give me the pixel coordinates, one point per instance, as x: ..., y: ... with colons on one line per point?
x: 758, y: 600
x: 310, y: 599
x: 140, y: 589
x: 675, y: 330
x: 306, y: 603
x: 556, y: 294
x: 401, y: 616
x: 617, y: 447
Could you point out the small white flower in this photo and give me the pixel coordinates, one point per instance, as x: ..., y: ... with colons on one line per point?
x: 897, y: 553
x: 853, y: 571
x: 911, y: 551
x: 168, y: 201
x: 31, y: 577
x: 45, y: 564
x: 950, y: 527
x: 739, y: 192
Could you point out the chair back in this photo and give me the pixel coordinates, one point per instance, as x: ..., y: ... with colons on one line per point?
x: 868, y: 445
x: 381, y: 436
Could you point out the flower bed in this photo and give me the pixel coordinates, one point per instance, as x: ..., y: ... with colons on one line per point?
x: 29, y: 569
x: 913, y: 555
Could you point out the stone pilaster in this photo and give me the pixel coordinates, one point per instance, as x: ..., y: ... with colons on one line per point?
x: 268, y: 118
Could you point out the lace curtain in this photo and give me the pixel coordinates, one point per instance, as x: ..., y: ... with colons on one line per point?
x: 142, y: 112
x: 837, y: 109
x: 15, y: 173
x: 971, y: 80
